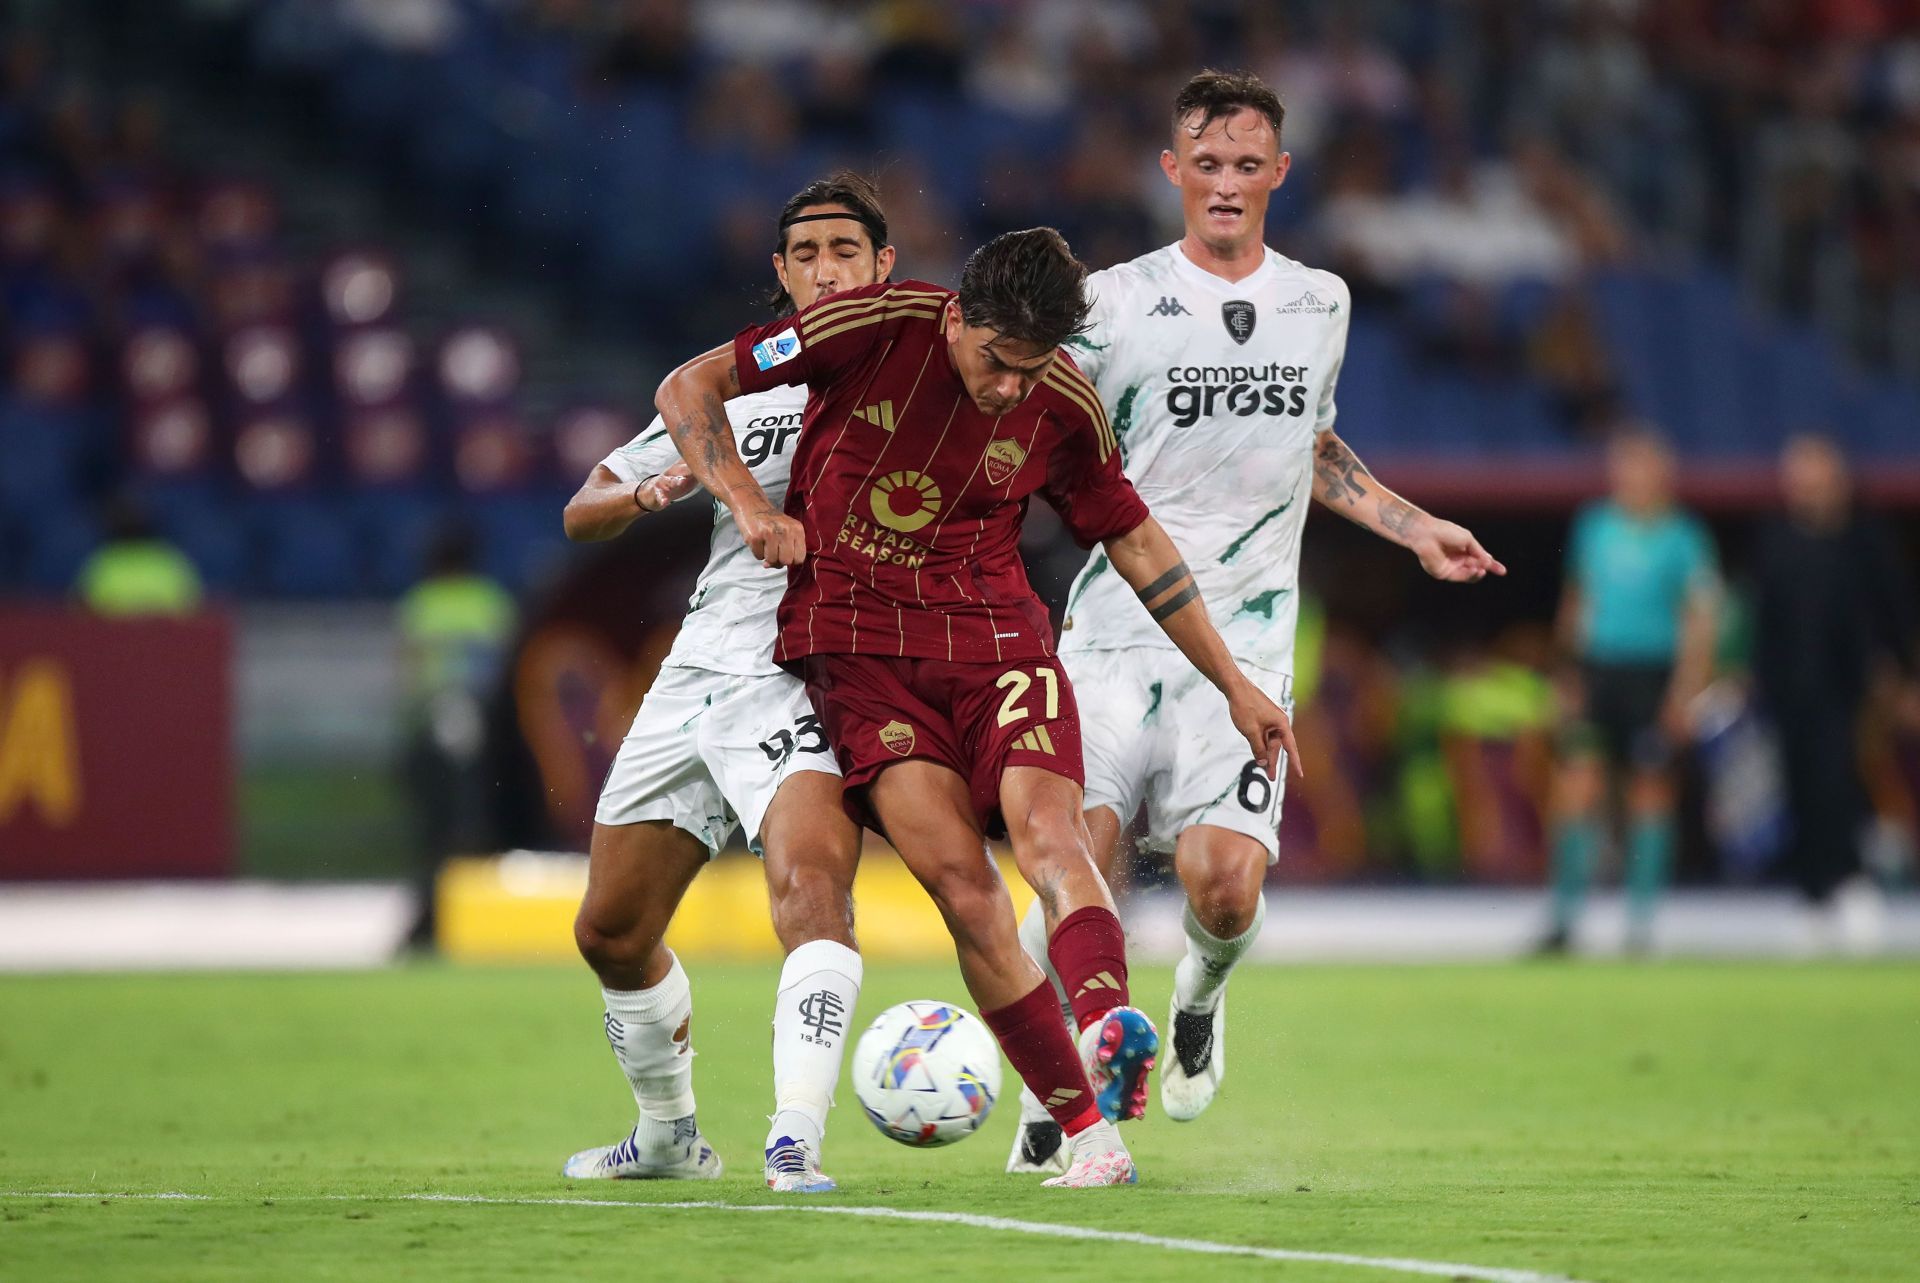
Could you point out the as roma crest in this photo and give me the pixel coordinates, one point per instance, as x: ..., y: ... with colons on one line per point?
x: 898, y: 737
x: 1004, y: 458
x: 1238, y: 315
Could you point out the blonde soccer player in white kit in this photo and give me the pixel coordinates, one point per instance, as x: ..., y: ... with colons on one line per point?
x: 725, y: 739
x: 1217, y: 360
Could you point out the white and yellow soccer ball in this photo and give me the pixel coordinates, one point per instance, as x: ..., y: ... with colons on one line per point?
x: 927, y: 1073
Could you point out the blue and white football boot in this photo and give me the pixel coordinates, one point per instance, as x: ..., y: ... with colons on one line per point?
x: 688, y: 1158
x: 794, y: 1168
x: 1119, y: 1051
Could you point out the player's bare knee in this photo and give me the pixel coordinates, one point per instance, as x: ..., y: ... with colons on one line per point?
x: 611, y: 945
x: 1225, y: 903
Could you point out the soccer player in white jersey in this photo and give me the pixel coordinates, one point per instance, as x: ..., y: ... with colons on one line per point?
x: 724, y: 738
x: 1216, y: 358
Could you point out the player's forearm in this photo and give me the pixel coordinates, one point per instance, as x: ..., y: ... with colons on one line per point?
x: 1342, y: 483
x: 1147, y: 559
x: 692, y: 402
x: 602, y: 508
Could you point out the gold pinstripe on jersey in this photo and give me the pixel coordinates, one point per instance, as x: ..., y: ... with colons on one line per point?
x: 1074, y: 386
x: 923, y: 311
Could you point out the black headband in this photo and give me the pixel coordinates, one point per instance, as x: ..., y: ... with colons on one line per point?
x: 875, y: 228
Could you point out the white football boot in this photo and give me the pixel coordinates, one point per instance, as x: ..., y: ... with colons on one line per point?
x: 688, y: 1158
x: 1199, y: 1061
x: 1038, y: 1143
x: 1100, y: 1157
x: 794, y: 1168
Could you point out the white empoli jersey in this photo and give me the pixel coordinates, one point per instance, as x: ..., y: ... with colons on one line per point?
x: 729, y: 626
x: 1216, y: 390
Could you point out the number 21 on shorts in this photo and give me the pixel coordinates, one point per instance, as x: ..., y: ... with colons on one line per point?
x: 1016, y: 684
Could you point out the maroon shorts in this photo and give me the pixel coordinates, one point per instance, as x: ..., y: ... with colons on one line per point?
x: 975, y: 719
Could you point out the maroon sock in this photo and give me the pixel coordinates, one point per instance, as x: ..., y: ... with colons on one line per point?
x: 1089, y: 954
x: 1044, y: 1056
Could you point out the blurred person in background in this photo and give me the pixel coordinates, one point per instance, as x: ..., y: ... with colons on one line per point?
x: 136, y: 572
x: 1638, y: 615
x: 455, y: 626
x: 1834, y: 618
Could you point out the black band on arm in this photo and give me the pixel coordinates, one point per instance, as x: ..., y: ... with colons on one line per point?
x: 1173, y: 604
x: 1164, y: 582
x: 638, y: 486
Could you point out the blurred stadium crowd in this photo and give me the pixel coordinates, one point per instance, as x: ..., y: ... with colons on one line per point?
x: 1555, y: 217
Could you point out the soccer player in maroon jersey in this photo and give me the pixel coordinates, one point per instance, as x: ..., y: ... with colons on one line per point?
x: 933, y: 418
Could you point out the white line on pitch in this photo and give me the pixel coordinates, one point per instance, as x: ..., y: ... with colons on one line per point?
x: 1402, y: 1265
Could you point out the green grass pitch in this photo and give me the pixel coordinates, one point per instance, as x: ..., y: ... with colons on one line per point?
x: 1606, y: 1123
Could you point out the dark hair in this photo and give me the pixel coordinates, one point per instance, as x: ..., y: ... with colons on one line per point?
x: 1221, y: 93
x: 853, y: 191
x: 1028, y: 286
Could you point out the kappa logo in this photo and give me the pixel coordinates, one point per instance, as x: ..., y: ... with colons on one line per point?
x: 777, y: 350
x: 880, y: 415
x: 1061, y: 1096
x: 1309, y: 303
x: 1004, y: 458
x: 1168, y: 306
x: 905, y: 501
x: 898, y: 737
x: 1239, y: 315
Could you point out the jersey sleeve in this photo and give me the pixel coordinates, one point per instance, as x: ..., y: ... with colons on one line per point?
x: 647, y: 455
x: 1087, y: 488
x: 832, y: 335
x: 1326, y: 411
x: 1092, y: 351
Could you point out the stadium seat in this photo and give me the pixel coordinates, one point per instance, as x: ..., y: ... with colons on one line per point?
x: 56, y: 545
x: 305, y: 548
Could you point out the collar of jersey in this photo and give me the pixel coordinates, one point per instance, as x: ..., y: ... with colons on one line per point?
x: 1245, y: 285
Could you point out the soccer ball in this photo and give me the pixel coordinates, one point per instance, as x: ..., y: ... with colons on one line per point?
x: 927, y: 1073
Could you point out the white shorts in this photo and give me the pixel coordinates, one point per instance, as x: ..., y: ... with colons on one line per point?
x: 709, y: 750
x: 1155, y: 732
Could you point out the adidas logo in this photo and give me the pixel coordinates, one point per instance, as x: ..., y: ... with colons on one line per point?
x: 1102, y: 980
x: 1061, y: 1096
x: 1036, y: 741
x: 1309, y: 302
x: 1168, y: 306
x: 879, y: 415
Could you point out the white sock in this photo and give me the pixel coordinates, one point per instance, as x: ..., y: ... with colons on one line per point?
x: 1033, y: 938
x: 812, y: 1020
x: 650, y: 1033
x: 1201, y: 976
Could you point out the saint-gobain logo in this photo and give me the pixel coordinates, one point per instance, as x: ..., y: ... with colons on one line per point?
x: 777, y: 350
x: 1239, y: 316
x: 1309, y: 302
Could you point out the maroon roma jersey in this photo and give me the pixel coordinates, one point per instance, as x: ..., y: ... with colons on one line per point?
x: 912, y: 498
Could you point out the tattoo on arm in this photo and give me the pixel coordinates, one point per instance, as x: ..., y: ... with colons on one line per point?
x: 1176, y: 603
x: 1164, y: 582
x: 1397, y: 516
x: 1339, y: 471
x: 733, y: 378
x: 1168, y: 593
